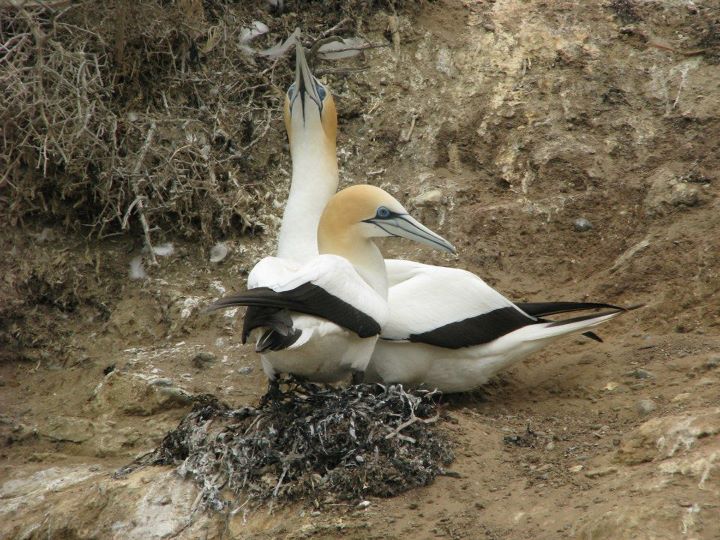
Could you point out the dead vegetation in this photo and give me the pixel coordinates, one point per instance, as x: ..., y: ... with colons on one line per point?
x: 321, y: 444
x: 146, y: 115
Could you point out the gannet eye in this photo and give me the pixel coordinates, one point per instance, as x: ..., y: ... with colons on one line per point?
x: 320, y: 89
x: 383, y: 213
x: 291, y: 91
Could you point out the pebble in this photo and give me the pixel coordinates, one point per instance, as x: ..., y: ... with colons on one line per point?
x: 218, y: 252
x: 600, y: 472
x: 713, y: 362
x: 203, y: 359
x: 363, y: 504
x: 246, y: 370
x: 640, y: 374
x: 429, y: 198
x: 161, y: 382
x: 645, y: 406
x: 582, y: 225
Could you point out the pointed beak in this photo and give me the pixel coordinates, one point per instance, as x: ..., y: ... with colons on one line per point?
x: 304, y: 80
x: 405, y: 226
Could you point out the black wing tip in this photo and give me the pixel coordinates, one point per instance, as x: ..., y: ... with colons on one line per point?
x: 593, y: 336
x: 259, y: 296
x: 223, y: 303
x: 542, y: 309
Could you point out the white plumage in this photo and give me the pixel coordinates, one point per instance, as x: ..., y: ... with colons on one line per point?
x: 446, y: 327
x: 320, y: 319
x: 324, y: 351
x: 424, y: 298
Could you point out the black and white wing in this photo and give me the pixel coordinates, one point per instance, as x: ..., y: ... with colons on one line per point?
x: 453, y: 308
x: 327, y: 287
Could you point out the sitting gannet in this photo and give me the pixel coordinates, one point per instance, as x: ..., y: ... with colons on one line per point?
x: 320, y: 319
x: 450, y: 330
x: 447, y: 328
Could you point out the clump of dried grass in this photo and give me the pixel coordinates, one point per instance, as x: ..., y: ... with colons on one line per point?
x: 123, y: 122
x: 320, y: 444
x: 124, y: 114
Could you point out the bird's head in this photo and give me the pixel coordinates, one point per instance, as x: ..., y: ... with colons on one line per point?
x: 367, y: 212
x: 309, y: 105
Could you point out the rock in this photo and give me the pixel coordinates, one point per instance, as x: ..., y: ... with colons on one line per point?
x: 245, y: 370
x: 152, y: 503
x: 600, y: 472
x: 661, y: 438
x: 68, y: 429
x: 137, y: 394
x: 645, y: 406
x: 218, y: 252
x: 22, y: 492
x: 429, y: 198
x: 712, y: 363
x: 444, y: 63
x: 667, y: 190
x: 12, y: 432
x: 640, y: 374
x: 582, y: 225
x: 203, y: 359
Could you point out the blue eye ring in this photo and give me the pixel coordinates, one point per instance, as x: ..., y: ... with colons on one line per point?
x: 291, y: 91
x: 383, y: 213
x: 320, y: 89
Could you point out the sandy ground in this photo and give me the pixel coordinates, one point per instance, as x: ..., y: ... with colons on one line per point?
x: 525, y: 116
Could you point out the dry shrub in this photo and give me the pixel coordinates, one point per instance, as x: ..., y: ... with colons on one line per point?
x: 122, y: 113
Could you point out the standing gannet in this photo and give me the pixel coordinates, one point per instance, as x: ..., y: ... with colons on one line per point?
x: 463, y: 329
x: 311, y: 124
x: 320, y: 319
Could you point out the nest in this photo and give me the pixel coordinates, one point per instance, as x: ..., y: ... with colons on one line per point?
x: 320, y: 444
x: 153, y: 125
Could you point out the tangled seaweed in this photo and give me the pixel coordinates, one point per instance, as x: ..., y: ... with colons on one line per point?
x: 318, y: 443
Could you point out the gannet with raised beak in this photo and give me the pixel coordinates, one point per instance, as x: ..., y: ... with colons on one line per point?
x: 447, y: 328
x: 311, y: 124
x: 320, y: 319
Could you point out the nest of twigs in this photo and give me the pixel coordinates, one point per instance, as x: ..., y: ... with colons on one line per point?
x: 147, y: 115
x: 320, y: 444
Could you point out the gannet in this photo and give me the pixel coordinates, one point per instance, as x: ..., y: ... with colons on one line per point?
x: 450, y: 330
x: 320, y: 319
x: 311, y: 124
x: 447, y: 328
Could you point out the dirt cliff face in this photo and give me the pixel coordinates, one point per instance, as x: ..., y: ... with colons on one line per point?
x: 569, y: 150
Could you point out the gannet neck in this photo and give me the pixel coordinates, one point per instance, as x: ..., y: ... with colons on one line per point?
x: 361, y: 252
x: 314, y: 182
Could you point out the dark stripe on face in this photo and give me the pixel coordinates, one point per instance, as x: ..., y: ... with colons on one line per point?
x: 475, y: 330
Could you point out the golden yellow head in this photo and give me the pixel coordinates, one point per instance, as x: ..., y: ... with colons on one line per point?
x: 309, y: 105
x: 362, y: 212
